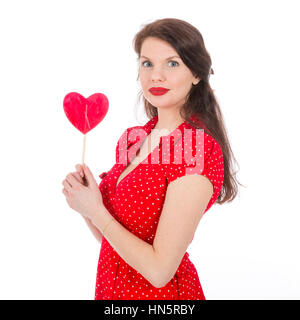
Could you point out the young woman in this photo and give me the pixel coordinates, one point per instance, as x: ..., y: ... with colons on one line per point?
x: 148, y: 205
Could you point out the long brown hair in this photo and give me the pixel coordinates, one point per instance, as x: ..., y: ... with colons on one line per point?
x: 201, y: 109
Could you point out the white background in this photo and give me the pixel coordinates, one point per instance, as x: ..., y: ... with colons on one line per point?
x: 247, y: 249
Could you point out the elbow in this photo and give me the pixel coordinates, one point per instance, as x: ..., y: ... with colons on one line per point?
x: 160, y: 279
x: 154, y: 280
x: 158, y: 284
x: 161, y: 283
x: 161, y: 274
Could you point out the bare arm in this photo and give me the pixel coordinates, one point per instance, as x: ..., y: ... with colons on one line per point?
x: 136, y: 252
x: 159, y: 262
x: 95, y: 231
x: 185, y: 202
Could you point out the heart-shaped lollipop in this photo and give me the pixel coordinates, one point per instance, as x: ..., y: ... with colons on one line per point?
x: 85, y: 113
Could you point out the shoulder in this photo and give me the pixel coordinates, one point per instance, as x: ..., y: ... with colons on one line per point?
x: 194, y: 147
x: 212, y: 149
x: 201, y: 155
x: 201, y: 137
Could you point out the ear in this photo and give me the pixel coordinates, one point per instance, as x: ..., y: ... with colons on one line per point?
x: 196, y: 81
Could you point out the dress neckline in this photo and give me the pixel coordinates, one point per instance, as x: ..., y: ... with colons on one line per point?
x: 147, y: 128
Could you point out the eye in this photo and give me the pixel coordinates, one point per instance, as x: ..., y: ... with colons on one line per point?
x: 175, y: 62
x: 172, y: 61
x: 144, y: 62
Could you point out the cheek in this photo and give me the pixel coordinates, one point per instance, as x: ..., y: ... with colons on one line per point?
x: 145, y: 78
x: 181, y: 87
x: 184, y: 86
x: 143, y: 81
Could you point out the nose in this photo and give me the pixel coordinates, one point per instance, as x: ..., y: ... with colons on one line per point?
x: 157, y: 75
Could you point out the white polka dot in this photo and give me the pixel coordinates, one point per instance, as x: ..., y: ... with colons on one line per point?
x: 136, y: 201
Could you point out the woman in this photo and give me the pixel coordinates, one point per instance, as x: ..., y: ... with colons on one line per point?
x: 146, y: 210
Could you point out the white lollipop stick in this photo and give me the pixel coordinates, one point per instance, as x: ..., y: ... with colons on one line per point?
x: 83, y: 151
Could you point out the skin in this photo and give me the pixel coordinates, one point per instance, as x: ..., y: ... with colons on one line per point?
x: 78, y: 175
x: 194, y: 191
x: 85, y: 199
x: 158, y: 71
x: 186, y: 197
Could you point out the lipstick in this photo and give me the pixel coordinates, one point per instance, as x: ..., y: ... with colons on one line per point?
x: 158, y: 91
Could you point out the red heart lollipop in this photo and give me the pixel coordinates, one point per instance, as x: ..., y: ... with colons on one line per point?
x: 85, y: 113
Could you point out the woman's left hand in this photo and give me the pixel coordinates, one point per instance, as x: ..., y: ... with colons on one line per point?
x: 85, y: 199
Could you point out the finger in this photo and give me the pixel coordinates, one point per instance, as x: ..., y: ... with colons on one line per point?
x: 67, y: 185
x: 79, y: 169
x: 71, y: 179
x: 78, y: 177
x: 89, y: 174
x: 65, y: 192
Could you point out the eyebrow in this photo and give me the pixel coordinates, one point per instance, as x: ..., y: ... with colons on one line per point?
x: 166, y: 58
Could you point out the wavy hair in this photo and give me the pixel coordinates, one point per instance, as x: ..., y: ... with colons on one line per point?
x: 201, y: 109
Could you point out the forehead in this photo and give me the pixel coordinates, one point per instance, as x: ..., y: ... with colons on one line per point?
x: 154, y: 46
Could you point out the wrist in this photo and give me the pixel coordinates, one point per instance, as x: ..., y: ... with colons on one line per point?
x: 101, y: 218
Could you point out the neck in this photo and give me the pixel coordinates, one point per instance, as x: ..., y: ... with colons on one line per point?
x: 168, y: 121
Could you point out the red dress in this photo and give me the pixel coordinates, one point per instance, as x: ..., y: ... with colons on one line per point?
x: 137, y: 202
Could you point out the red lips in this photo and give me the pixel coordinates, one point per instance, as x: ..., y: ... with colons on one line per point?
x: 158, y: 91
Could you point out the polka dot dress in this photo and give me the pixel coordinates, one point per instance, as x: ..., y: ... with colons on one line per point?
x: 137, y: 202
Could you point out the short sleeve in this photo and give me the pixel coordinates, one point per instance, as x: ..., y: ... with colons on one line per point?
x: 210, y: 166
